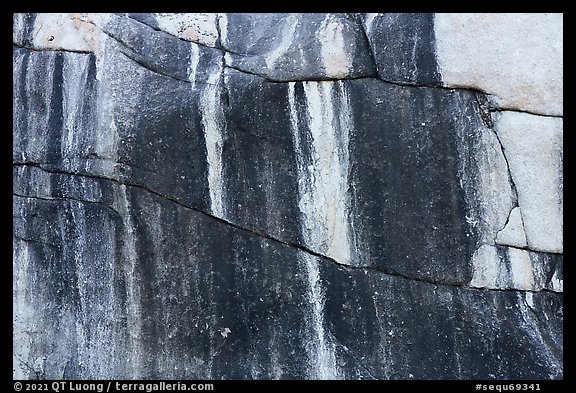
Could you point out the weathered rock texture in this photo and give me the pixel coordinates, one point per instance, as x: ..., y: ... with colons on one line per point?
x: 318, y: 196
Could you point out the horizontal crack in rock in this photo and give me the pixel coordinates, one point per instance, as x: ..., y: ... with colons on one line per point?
x: 276, y: 80
x: 155, y: 70
x: 505, y: 109
x: 63, y: 198
x: 30, y: 240
x: 46, y: 49
x: 319, y: 78
x: 279, y: 241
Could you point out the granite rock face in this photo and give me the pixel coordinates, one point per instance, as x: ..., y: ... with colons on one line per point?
x: 403, y: 47
x: 285, y: 196
x: 516, y: 58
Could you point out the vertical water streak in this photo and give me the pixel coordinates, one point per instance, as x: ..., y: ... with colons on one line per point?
x: 78, y: 249
x: 194, y: 60
x: 341, y: 245
x: 322, y: 356
x: 222, y: 27
x: 369, y: 22
x: 287, y: 37
x: 324, y: 182
x: 133, y: 295
x: 211, y: 112
x: 72, y: 92
x: 333, y: 48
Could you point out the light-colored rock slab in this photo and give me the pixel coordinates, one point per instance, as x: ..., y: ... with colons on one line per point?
x: 289, y: 47
x: 513, y: 233
x: 517, y: 58
x: 485, y: 181
x: 497, y: 267
x: 533, y: 147
x: 521, y: 269
x: 322, y: 177
x: 60, y: 31
x: 196, y: 27
x: 487, y: 268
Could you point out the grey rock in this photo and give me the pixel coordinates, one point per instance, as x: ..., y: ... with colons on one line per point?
x: 101, y: 127
x: 352, y: 204
x: 416, y: 330
x: 207, y: 297
x: 154, y: 50
x: 23, y: 25
x: 288, y: 47
x: 258, y: 157
x: 250, y: 197
x: 404, y: 48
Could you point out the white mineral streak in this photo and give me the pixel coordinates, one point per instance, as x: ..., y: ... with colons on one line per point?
x: 341, y: 231
x: 335, y: 59
x: 133, y: 301
x: 222, y: 20
x: 516, y: 57
x: 511, y: 268
x: 529, y: 296
x: 287, y: 37
x: 557, y: 284
x: 488, y: 268
x: 195, y: 27
x: 323, y: 176
x: 106, y: 136
x: 369, y: 23
x: 75, y: 80
x: 83, y: 322
x: 18, y: 25
x: 194, y: 61
x: 222, y: 23
x: 212, y: 115
x: 322, y: 203
x: 22, y: 313
x: 533, y: 147
x: 489, y: 198
x: 322, y: 354
x: 79, y: 246
x: 211, y: 121
x: 490, y: 187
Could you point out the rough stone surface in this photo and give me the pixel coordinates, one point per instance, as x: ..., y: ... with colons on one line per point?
x: 514, y: 268
x: 319, y: 319
x: 350, y: 201
x: 533, y: 147
x: 248, y: 196
x: 516, y: 58
x: 200, y: 28
x: 71, y: 32
x: 403, y: 45
x: 287, y: 47
x: 513, y: 233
